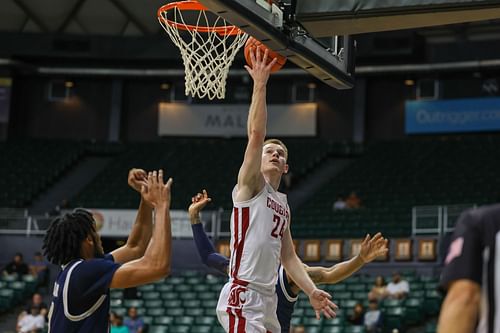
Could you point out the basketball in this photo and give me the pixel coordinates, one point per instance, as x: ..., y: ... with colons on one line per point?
x: 252, y: 42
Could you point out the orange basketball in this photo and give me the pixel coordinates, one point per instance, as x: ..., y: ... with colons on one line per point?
x: 252, y: 42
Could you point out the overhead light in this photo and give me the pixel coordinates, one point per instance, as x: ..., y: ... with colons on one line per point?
x: 164, y: 86
x: 311, y: 85
x: 409, y: 82
x: 69, y: 84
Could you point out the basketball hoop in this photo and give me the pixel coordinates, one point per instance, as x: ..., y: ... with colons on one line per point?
x: 208, y: 45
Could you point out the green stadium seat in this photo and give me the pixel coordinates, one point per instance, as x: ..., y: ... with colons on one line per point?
x: 332, y: 329
x: 175, y: 311
x: 172, y: 303
x: 158, y: 329
x: 179, y: 329
x: 183, y: 320
x: 151, y: 295
x: 155, y: 312
x: 116, y: 303
x: 163, y: 320
x: 146, y: 287
x: 354, y: 329
x: 200, y: 329
x: 207, y: 321
x: 136, y: 303
x: 153, y: 303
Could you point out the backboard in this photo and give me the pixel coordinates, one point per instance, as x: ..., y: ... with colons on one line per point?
x: 331, y: 60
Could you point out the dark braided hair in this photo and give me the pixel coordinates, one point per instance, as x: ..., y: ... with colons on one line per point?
x: 65, y: 235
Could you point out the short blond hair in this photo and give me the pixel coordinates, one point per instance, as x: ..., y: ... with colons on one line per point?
x: 278, y: 142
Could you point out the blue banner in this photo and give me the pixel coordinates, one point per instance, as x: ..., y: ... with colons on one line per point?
x: 455, y: 115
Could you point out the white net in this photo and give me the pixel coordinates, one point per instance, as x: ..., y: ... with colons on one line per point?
x: 208, y: 45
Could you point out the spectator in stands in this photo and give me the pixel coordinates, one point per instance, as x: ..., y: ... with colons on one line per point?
x: 398, y: 288
x: 339, y: 204
x: 379, y: 289
x: 39, y: 269
x: 357, y: 316
x: 134, y: 323
x: 33, y: 322
x: 17, y: 266
x: 353, y: 201
x: 117, y: 325
x: 298, y: 329
x: 373, y: 318
x: 37, y: 301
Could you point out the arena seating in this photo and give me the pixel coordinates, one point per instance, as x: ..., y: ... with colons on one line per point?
x: 392, y: 177
x: 30, y: 166
x: 15, y: 291
x: 195, y: 164
x: 187, y: 303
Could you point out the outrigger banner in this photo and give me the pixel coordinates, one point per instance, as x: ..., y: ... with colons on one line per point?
x: 453, y: 116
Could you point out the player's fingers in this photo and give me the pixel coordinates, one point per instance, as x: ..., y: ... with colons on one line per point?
x: 253, y: 55
x: 322, y: 293
x: 258, y: 55
x: 377, y: 237
x: 329, y: 312
x: 168, y: 185
x: 205, y: 193
x: 271, y: 64
x: 160, y: 176
x: 318, y: 315
x: 265, y: 56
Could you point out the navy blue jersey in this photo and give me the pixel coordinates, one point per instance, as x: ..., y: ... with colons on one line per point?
x: 81, y: 296
x: 286, y: 301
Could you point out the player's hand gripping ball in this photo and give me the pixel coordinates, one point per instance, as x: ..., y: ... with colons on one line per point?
x: 254, y: 43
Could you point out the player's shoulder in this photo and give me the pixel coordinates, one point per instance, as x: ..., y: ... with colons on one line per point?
x: 481, y: 218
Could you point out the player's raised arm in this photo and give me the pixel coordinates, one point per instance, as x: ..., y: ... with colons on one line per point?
x: 142, y: 229
x: 205, y: 248
x: 155, y: 264
x: 250, y: 179
x: 319, y: 299
x: 371, y: 248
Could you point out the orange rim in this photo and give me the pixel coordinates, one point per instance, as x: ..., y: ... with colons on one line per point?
x: 227, y: 30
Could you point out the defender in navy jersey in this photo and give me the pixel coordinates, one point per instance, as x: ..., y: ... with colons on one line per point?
x: 286, y: 290
x: 471, y: 275
x: 81, y: 291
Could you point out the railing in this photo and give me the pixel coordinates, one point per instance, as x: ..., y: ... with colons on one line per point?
x: 436, y: 220
x: 19, y: 222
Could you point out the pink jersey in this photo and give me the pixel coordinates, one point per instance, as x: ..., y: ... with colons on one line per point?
x: 257, y: 227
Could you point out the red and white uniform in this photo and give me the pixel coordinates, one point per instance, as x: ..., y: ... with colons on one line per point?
x: 247, y: 303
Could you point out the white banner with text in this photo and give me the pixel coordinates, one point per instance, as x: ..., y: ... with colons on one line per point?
x: 231, y: 120
x: 119, y: 222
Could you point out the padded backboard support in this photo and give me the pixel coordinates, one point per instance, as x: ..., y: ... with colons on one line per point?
x: 290, y: 40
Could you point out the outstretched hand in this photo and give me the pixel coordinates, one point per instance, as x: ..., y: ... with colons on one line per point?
x: 321, y: 303
x: 198, y: 202
x: 372, y: 248
x: 260, y: 69
x: 137, y: 178
x: 156, y: 192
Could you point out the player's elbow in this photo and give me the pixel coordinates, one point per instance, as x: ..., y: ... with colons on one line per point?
x: 257, y: 135
x: 466, y: 294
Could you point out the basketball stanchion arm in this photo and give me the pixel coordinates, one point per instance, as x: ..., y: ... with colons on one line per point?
x: 301, y: 49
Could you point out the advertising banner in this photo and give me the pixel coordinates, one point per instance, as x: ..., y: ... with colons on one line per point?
x: 452, y: 116
x: 230, y: 120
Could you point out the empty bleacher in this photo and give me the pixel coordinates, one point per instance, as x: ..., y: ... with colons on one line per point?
x: 29, y: 167
x: 392, y: 177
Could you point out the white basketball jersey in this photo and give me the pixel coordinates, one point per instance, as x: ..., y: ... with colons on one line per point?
x: 257, y: 227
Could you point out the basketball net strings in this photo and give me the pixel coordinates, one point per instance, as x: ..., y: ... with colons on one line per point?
x: 207, y: 56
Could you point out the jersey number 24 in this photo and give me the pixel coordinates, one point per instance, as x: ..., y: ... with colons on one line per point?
x: 279, y: 224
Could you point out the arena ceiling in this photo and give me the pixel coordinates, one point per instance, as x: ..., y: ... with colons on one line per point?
x: 81, y: 17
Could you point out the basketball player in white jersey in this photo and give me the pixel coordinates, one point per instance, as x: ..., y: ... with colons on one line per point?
x: 260, y: 233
